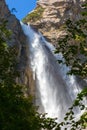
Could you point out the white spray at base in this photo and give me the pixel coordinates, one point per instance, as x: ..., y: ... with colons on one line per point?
x: 55, y: 90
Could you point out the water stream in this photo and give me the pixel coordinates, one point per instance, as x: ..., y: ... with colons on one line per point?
x: 55, y: 90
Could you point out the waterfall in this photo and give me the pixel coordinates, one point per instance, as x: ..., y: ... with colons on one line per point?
x: 55, y: 89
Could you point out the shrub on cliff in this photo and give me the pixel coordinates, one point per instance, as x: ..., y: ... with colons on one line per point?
x: 74, y: 50
x: 17, y: 112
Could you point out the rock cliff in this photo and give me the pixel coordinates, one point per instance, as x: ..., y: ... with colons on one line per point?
x: 50, y: 15
x: 49, y: 18
x: 18, y: 40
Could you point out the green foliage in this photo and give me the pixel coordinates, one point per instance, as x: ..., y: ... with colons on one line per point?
x: 70, y: 120
x: 74, y: 46
x: 17, y: 111
x: 35, y: 15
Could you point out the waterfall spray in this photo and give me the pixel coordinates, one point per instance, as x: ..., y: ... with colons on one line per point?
x: 55, y: 90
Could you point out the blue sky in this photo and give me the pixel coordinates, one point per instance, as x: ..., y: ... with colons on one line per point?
x: 23, y: 7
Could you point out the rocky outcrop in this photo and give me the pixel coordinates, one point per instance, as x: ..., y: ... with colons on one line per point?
x: 51, y: 20
x: 18, y: 40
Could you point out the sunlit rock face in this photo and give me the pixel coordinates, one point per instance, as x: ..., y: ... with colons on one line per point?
x: 18, y: 40
x: 53, y: 17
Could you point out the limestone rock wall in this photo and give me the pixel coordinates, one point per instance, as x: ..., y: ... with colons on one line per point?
x: 19, y: 41
x: 53, y: 17
x: 49, y: 18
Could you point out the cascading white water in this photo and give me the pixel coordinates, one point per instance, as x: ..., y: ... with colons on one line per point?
x: 70, y: 80
x: 54, y: 88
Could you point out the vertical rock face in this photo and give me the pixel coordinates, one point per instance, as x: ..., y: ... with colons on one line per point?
x: 3, y: 9
x: 49, y: 17
x: 18, y: 39
x: 53, y: 16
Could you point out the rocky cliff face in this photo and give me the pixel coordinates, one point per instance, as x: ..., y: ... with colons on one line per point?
x: 50, y: 16
x: 18, y: 40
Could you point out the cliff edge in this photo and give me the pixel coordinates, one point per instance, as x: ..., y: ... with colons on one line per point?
x: 19, y: 41
x: 50, y: 15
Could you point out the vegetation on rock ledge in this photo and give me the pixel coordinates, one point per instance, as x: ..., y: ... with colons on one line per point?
x: 74, y: 50
x: 35, y: 15
x: 16, y: 110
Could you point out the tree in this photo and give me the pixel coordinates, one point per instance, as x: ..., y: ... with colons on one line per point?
x: 73, y: 47
x: 17, y: 112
